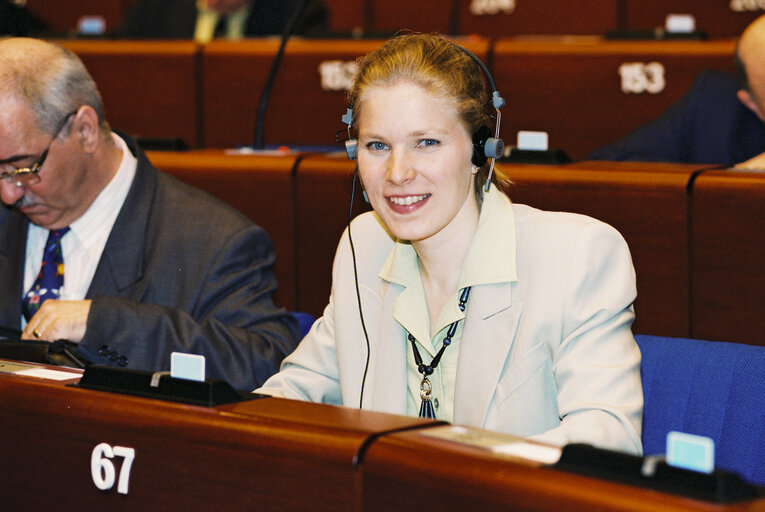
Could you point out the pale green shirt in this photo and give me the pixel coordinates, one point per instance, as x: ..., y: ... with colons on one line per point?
x: 490, y: 259
x: 207, y: 19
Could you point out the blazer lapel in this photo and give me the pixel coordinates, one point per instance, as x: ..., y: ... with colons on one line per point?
x: 122, y: 261
x: 490, y: 327
x: 13, y: 232
x: 387, y: 372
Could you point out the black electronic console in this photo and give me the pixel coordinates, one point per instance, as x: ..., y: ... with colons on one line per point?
x: 59, y: 353
x: 653, y: 473
x: 513, y: 155
x: 162, y: 386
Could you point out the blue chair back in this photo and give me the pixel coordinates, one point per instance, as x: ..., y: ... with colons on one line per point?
x: 708, y: 388
x: 305, y: 321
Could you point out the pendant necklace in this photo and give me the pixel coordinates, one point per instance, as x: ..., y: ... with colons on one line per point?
x: 426, y: 407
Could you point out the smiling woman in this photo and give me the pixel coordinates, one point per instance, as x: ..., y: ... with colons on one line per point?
x: 414, y: 162
x: 474, y: 310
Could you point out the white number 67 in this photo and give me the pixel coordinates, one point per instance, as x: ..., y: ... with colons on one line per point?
x: 102, y: 468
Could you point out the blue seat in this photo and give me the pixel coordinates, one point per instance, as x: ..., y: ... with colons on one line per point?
x: 305, y: 320
x: 713, y: 389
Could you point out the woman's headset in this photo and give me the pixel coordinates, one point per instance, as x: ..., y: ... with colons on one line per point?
x: 484, y: 145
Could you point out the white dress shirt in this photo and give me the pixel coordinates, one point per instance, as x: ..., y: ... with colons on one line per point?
x: 83, y: 245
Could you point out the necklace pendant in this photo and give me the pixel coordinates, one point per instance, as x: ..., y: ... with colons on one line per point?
x: 426, y: 407
x: 425, y: 389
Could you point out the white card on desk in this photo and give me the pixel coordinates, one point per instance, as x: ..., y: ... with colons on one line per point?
x: 689, y: 451
x: 187, y: 366
x: 531, y: 140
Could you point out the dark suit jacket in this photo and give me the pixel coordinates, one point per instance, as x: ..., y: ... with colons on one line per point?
x: 17, y: 21
x: 181, y: 271
x: 707, y: 125
x: 176, y: 19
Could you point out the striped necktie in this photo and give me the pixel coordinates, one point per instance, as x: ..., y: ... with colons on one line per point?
x: 51, y: 277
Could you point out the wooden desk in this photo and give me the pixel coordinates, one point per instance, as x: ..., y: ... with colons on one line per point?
x: 413, y: 471
x: 346, y: 15
x: 63, y: 16
x: 259, y: 186
x: 727, y: 250
x: 478, y: 17
x: 266, y: 454
x: 716, y: 19
x: 647, y: 204
x: 572, y: 87
x: 323, y: 187
x: 149, y: 88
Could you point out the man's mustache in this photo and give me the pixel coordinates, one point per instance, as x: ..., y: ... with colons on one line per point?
x: 23, y: 201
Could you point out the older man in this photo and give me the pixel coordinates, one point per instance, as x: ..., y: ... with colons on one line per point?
x: 102, y: 249
x: 720, y: 120
x: 203, y: 20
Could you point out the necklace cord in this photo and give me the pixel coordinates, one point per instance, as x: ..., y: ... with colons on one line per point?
x: 426, y: 407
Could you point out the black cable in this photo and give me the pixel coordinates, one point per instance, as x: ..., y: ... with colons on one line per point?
x: 358, y: 292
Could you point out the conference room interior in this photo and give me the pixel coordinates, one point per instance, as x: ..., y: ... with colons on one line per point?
x: 585, y: 75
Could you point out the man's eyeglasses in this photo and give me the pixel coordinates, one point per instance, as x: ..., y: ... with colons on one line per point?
x: 25, y: 176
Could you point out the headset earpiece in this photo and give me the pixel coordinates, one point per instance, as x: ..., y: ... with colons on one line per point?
x: 352, y: 148
x: 485, y: 146
x: 351, y: 144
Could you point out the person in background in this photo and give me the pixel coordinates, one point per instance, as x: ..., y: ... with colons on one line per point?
x: 16, y: 20
x: 467, y: 308
x: 720, y: 120
x: 204, y: 20
x: 103, y: 250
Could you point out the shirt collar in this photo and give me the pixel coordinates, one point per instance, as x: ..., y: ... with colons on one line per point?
x: 105, y: 208
x: 490, y: 259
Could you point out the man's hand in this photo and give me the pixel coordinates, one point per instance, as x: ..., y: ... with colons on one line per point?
x: 59, y: 320
x: 757, y: 162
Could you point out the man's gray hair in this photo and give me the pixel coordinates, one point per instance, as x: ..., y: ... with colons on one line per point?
x: 51, y: 79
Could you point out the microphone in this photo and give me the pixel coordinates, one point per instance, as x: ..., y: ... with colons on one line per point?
x: 454, y: 18
x: 266, y: 93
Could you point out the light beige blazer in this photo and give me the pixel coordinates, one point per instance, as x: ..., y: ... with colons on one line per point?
x: 549, y: 356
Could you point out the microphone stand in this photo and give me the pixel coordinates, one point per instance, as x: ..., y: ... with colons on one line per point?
x: 266, y: 93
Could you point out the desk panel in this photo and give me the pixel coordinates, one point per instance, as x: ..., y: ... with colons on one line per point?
x: 306, y: 102
x: 573, y: 87
x: 267, y: 454
x: 63, y: 16
x: 258, y: 186
x: 727, y: 255
x: 524, y: 17
x: 647, y: 204
x: 717, y: 19
x: 346, y: 15
x: 490, y: 18
x: 322, y: 196
x: 413, y: 471
x: 149, y: 88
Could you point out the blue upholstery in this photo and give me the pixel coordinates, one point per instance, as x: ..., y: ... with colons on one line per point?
x: 713, y: 389
x: 305, y: 320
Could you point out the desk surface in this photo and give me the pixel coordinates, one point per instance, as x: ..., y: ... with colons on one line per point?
x: 266, y: 454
